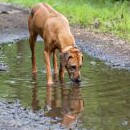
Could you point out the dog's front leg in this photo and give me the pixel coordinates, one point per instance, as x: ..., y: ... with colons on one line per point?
x: 48, y: 67
x: 61, y: 72
x: 55, y: 63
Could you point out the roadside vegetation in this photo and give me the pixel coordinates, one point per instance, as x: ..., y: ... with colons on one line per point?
x: 112, y: 16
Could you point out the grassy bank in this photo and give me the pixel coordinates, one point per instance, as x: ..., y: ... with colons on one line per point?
x: 98, y: 16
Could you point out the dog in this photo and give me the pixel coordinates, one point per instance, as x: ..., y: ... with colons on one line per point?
x: 54, y: 28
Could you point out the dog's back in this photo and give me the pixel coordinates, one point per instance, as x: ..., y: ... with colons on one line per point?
x: 51, y: 25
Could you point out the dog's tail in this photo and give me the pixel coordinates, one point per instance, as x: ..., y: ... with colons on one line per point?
x: 35, y: 8
x: 32, y: 12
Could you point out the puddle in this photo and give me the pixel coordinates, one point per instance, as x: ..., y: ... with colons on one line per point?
x: 100, y: 102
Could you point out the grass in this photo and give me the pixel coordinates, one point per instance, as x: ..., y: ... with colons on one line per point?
x: 97, y: 16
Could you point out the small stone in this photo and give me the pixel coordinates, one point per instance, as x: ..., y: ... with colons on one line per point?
x: 93, y: 63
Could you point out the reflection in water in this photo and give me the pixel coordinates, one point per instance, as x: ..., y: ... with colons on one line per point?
x: 72, y: 104
x: 63, y: 102
x: 105, y: 91
x: 35, y: 101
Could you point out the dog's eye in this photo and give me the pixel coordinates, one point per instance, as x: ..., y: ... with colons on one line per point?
x: 73, y: 67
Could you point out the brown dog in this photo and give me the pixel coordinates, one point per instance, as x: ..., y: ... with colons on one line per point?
x: 54, y: 28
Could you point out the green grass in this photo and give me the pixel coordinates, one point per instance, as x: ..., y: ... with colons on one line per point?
x: 110, y: 17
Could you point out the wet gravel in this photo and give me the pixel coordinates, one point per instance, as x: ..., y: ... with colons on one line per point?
x: 111, y: 57
x: 14, y: 117
x: 3, y: 66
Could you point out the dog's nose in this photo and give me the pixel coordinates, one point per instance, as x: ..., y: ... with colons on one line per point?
x: 78, y: 79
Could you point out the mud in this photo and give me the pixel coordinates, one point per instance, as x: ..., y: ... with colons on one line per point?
x: 13, y: 23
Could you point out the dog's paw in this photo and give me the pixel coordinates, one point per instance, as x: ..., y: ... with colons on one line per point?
x: 34, y: 71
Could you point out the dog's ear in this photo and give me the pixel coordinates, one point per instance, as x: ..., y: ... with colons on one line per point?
x: 64, y: 58
x: 67, y: 55
x: 82, y: 56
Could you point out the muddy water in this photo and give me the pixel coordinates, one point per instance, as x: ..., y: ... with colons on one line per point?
x: 100, y: 102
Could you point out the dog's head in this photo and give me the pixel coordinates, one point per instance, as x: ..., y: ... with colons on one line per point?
x: 72, y: 61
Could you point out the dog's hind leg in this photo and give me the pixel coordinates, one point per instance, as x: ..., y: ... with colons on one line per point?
x: 32, y: 40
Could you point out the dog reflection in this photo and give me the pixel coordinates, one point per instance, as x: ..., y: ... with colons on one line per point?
x: 64, y: 102
x: 72, y: 105
x: 35, y: 101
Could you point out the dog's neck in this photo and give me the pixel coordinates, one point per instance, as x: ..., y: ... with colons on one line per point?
x: 67, y: 48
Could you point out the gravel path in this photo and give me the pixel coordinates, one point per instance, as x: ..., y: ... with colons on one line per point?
x: 15, y: 117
